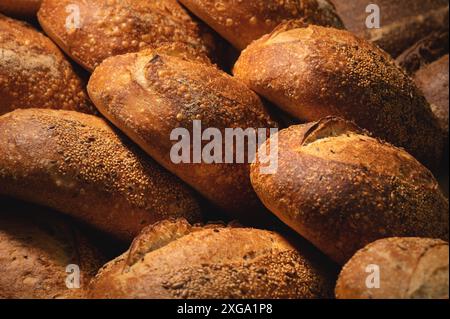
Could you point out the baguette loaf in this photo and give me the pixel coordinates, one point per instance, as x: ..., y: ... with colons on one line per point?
x: 241, y: 22
x: 20, y: 8
x: 409, y: 268
x: 36, y: 246
x: 173, y: 260
x: 108, y: 28
x: 76, y: 164
x: 148, y: 94
x: 315, y: 72
x: 341, y: 189
x: 34, y: 73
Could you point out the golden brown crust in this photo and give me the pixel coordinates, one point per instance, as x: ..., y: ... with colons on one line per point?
x: 410, y: 268
x: 342, y: 189
x: 315, y: 72
x: 148, y: 94
x: 241, y: 22
x: 35, y: 74
x: 116, y: 27
x: 403, y: 22
x: 20, y: 8
x: 36, y: 246
x: 77, y: 164
x: 212, y: 262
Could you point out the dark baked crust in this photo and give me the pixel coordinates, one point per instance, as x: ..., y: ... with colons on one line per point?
x: 20, y: 8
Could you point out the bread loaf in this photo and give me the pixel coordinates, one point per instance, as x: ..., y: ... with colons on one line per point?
x: 407, y: 268
x: 342, y: 189
x: 315, y: 72
x: 34, y: 73
x: 402, y: 22
x: 97, y: 29
x: 20, y: 8
x: 173, y: 260
x: 241, y: 22
x: 36, y: 247
x: 76, y: 164
x: 147, y: 95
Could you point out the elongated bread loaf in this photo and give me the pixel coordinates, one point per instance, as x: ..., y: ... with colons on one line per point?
x: 173, y: 259
x: 91, y: 31
x: 34, y: 73
x: 39, y: 251
x: 315, y: 72
x: 148, y: 95
x: 342, y: 189
x: 20, y: 8
x: 241, y: 22
x: 76, y: 164
x: 397, y: 268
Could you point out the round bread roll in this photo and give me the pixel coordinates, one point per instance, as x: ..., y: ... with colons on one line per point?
x: 402, y: 22
x: 76, y: 164
x: 36, y: 248
x: 148, y: 95
x: 20, y: 8
x: 90, y: 31
x: 397, y: 268
x: 174, y: 260
x: 242, y: 22
x: 315, y: 72
x: 34, y: 73
x: 342, y: 189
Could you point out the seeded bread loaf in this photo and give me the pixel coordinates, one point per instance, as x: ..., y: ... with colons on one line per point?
x: 20, y: 8
x: 77, y: 164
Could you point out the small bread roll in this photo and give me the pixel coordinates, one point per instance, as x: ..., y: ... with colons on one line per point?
x: 242, y: 22
x: 91, y: 31
x: 407, y: 268
x: 315, y: 72
x: 34, y: 73
x: 36, y: 247
x: 174, y: 260
x: 148, y: 95
x: 20, y: 8
x: 342, y: 189
x: 402, y: 22
x: 76, y: 164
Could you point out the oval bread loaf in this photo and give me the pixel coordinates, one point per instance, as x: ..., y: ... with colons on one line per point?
x: 34, y: 73
x: 173, y: 260
x: 148, y: 95
x: 36, y: 247
x: 241, y: 22
x: 316, y: 72
x: 341, y: 189
x: 76, y: 164
x: 20, y: 8
x: 97, y: 29
x: 397, y: 268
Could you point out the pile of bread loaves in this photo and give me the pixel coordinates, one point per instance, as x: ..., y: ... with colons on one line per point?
x: 91, y: 91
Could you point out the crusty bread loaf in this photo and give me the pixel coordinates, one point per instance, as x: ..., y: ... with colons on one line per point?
x: 433, y: 81
x: 315, y: 72
x: 20, y: 8
x: 76, y: 164
x: 147, y: 95
x: 36, y: 246
x: 34, y: 73
x: 342, y: 189
x: 241, y: 22
x: 408, y: 268
x: 109, y: 28
x: 403, y: 22
x: 173, y: 259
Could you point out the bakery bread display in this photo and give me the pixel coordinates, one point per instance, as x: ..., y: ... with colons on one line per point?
x: 342, y: 189
x: 242, y: 22
x: 35, y: 74
x: 397, y: 268
x: 77, y: 164
x: 38, y: 249
x: 313, y: 72
x: 20, y: 8
x: 96, y: 29
x: 173, y: 259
